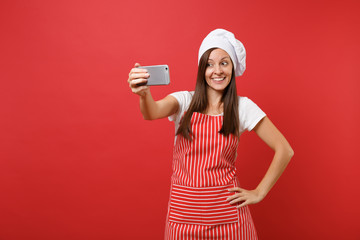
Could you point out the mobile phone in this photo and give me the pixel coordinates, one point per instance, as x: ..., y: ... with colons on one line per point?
x: 159, y: 75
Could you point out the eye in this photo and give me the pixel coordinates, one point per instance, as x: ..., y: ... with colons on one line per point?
x: 224, y: 63
x: 208, y: 64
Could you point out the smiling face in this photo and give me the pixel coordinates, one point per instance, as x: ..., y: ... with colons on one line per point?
x: 218, y: 71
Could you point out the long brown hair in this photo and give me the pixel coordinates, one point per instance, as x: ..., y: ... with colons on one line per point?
x: 199, y: 102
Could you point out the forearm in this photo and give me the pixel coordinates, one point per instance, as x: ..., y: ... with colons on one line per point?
x: 148, y: 106
x: 276, y: 168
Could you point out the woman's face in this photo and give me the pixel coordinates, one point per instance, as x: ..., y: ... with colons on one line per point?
x: 219, y: 69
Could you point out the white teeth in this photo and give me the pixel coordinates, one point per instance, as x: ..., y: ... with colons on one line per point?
x: 218, y: 79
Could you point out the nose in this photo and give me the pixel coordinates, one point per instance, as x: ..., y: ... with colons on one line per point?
x: 218, y: 69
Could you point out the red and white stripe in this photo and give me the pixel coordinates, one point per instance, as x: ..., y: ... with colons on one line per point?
x: 244, y: 230
x: 203, y: 171
x: 203, y: 206
x: 209, y: 159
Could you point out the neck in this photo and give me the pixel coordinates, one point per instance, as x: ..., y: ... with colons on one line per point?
x: 214, y: 101
x: 214, y: 97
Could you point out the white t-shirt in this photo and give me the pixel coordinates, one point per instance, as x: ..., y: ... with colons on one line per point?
x: 249, y: 113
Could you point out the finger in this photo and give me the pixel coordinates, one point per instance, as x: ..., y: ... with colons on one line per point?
x: 235, y: 189
x: 236, y: 195
x: 137, y: 77
x: 138, y: 70
x: 231, y: 198
x: 140, y: 89
x: 141, y: 84
x: 133, y: 76
x: 137, y: 65
x: 240, y: 199
x: 242, y: 204
x: 138, y: 82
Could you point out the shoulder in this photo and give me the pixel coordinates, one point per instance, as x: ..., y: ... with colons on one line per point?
x: 242, y: 99
x: 247, y: 106
x: 183, y: 96
x: 249, y: 113
x: 184, y: 99
x: 243, y: 102
x: 187, y: 94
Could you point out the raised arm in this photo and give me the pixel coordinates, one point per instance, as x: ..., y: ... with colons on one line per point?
x: 150, y: 108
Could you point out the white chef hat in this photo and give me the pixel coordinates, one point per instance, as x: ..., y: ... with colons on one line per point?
x: 220, y: 38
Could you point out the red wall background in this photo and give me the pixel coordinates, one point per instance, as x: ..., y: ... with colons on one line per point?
x: 77, y: 161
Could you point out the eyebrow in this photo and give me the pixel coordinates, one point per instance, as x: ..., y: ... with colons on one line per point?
x: 220, y: 59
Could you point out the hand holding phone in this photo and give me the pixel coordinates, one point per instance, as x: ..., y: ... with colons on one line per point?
x: 159, y: 75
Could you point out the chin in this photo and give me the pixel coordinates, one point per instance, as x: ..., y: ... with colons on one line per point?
x: 217, y: 88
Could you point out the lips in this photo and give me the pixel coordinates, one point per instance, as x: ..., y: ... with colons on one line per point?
x: 218, y: 79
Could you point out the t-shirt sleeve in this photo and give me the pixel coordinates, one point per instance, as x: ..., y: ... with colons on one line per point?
x: 249, y: 113
x: 184, y: 99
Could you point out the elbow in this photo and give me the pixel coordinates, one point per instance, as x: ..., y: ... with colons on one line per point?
x: 147, y: 118
x: 290, y: 153
x: 287, y: 154
x: 286, y: 151
x: 148, y: 115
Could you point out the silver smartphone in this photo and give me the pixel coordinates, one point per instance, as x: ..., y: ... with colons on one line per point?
x: 159, y: 75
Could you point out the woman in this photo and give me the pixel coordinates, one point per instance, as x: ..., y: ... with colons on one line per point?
x: 206, y: 201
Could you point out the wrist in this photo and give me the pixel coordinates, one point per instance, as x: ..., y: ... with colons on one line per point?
x: 261, y: 193
x: 143, y: 95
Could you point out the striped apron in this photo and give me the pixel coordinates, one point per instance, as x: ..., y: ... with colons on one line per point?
x: 203, y: 171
